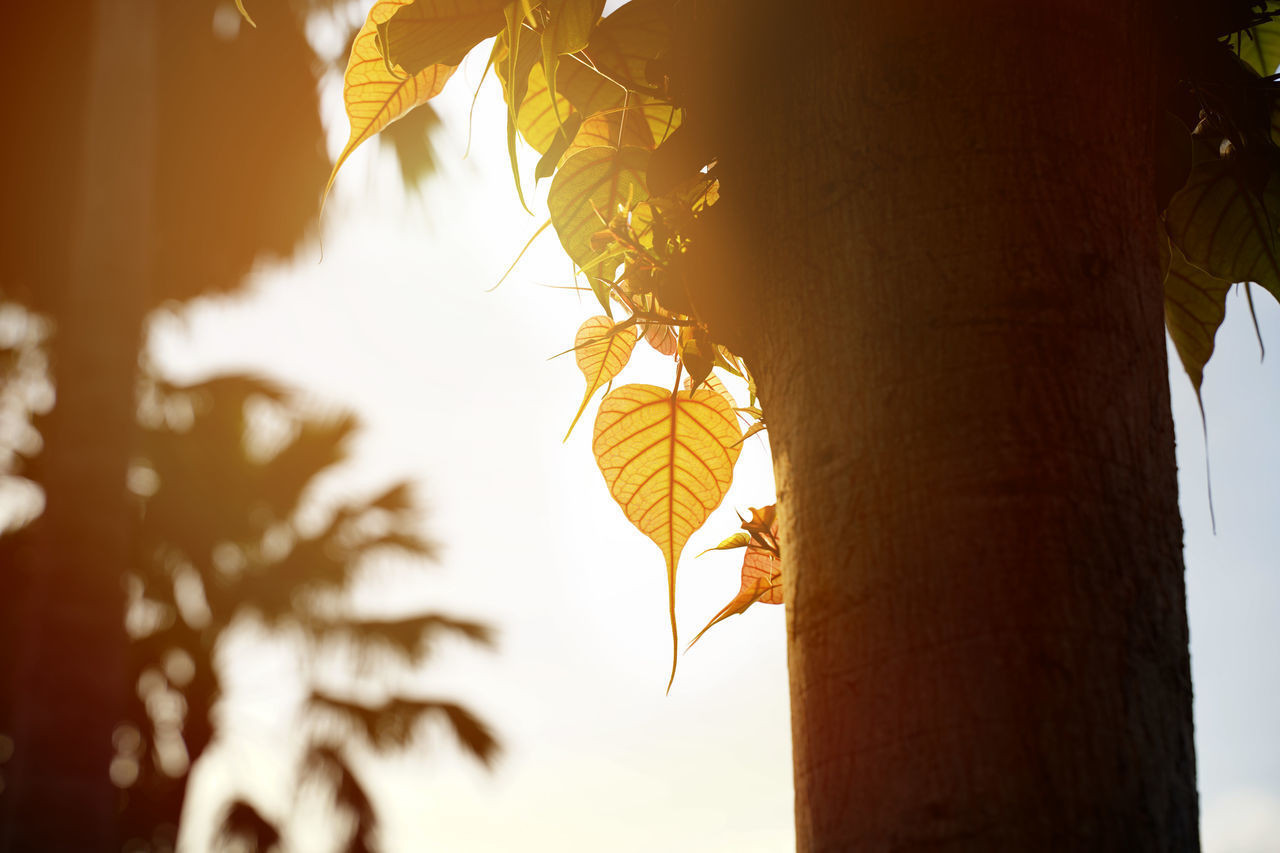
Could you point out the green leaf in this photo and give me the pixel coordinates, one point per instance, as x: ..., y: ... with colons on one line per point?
x: 568, y: 30
x: 1260, y: 46
x: 437, y: 32
x: 1194, y: 306
x: 589, y: 188
x: 1226, y: 224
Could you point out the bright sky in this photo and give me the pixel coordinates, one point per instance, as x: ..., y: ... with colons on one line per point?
x: 455, y: 391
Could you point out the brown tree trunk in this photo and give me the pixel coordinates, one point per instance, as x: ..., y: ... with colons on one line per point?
x: 943, y: 224
x: 72, y: 674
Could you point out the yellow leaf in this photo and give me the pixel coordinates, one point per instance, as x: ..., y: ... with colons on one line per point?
x: 568, y: 30
x: 374, y: 96
x: 602, y: 350
x: 668, y: 461
x: 244, y: 13
x: 643, y: 126
x: 536, y: 118
x: 424, y: 33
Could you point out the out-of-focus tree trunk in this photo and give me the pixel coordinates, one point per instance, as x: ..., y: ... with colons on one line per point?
x: 69, y: 691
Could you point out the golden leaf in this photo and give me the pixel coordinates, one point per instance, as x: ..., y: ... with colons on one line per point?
x: 761, y: 567
x: 536, y: 118
x: 602, y: 350
x: 424, y: 33
x: 244, y: 13
x: 668, y: 461
x: 373, y: 94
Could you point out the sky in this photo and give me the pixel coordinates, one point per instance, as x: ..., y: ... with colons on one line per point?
x: 455, y: 389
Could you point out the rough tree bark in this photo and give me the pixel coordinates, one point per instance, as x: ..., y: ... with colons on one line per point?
x: 942, y: 224
x: 72, y: 675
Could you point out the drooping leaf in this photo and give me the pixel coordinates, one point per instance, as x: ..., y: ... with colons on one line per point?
x: 423, y: 33
x: 741, y: 539
x: 761, y: 567
x: 602, y: 350
x: 537, y: 117
x: 697, y: 354
x: 375, y: 96
x: 1225, y: 223
x: 1194, y: 306
x: 514, y: 52
x: 244, y: 13
x: 568, y: 30
x: 761, y: 582
x: 668, y: 461
x: 589, y: 188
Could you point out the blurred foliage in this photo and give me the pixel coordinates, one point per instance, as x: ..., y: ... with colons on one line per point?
x: 223, y: 480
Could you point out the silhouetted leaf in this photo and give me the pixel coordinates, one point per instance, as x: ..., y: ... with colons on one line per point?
x: 1226, y: 226
x: 1195, y: 304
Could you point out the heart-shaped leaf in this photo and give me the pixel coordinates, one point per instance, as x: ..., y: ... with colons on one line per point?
x: 1194, y: 306
x: 590, y: 188
x: 375, y: 96
x: 602, y: 350
x: 1225, y: 223
x: 668, y: 461
x: 423, y: 33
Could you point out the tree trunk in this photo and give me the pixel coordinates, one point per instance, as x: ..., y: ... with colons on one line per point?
x: 72, y: 676
x: 943, y: 218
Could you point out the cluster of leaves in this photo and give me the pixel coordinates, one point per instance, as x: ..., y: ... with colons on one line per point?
x: 223, y: 477
x: 593, y: 97
x: 1219, y: 172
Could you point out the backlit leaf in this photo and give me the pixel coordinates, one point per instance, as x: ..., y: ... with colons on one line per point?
x: 761, y: 570
x: 373, y: 95
x: 741, y: 539
x: 244, y: 13
x: 424, y: 33
x: 602, y: 350
x: 1226, y: 227
x: 668, y: 461
x: 587, y: 190
x: 536, y: 118
x: 1260, y: 46
x: 642, y: 126
x: 568, y: 30
x: 1194, y: 306
x: 570, y: 24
